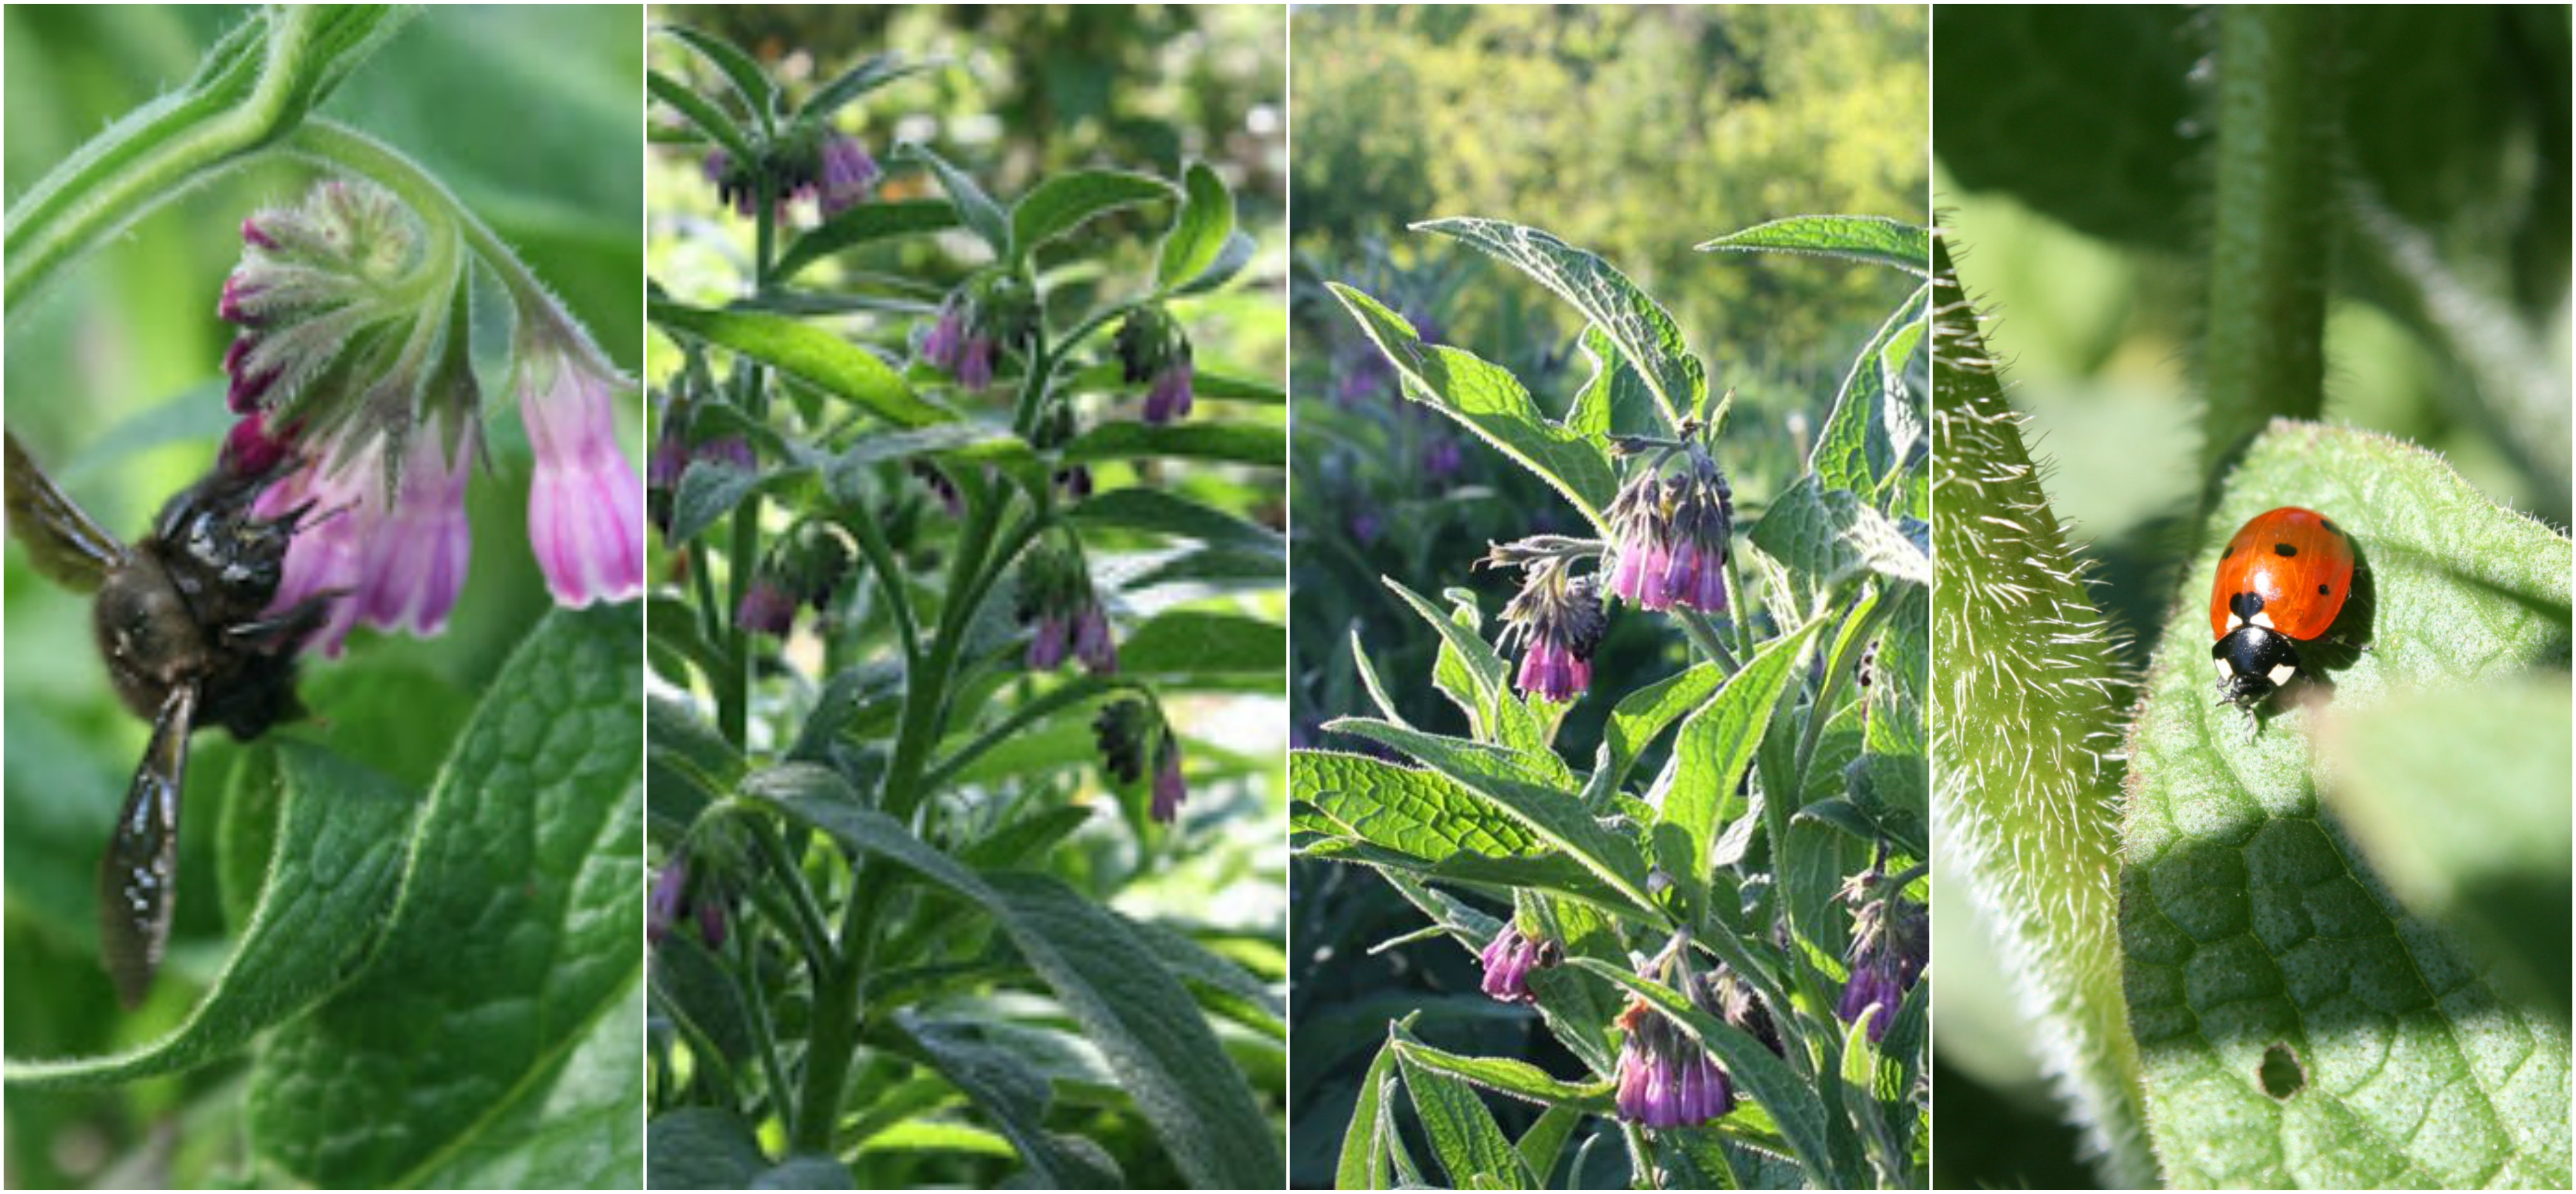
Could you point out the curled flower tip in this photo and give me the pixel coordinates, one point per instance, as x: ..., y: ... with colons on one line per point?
x: 253, y: 234
x: 1557, y: 618
x: 849, y: 174
x: 238, y: 302
x: 251, y: 451
x: 668, y: 900
x: 1049, y: 639
x: 1509, y: 960
x: 585, y: 505
x: 416, y: 551
x: 1170, y: 790
x: 1094, y: 643
x: 1670, y: 536
x: 767, y: 607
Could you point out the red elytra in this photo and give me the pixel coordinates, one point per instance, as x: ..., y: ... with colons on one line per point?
x: 2289, y: 570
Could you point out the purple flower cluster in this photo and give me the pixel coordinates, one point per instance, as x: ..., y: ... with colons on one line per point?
x: 804, y: 568
x: 1131, y: 731
x: 955, y: 345
x: 673, y: 900
x: 830, y: 168
x: 1063, y: 613
x: 1153, y: 349
x: 1670, y: 536
x: 1891, y: 941
x: 1510, y: 957
x: 1558, y: 621
x: 1666, y: 1080
x: 1170, y: 790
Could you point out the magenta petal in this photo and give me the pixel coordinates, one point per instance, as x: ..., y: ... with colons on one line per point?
x: 585, y: 505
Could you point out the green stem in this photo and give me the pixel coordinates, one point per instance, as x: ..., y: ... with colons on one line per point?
x: 2269, y: 232
x: 252, y: 89
x: 865, y: 528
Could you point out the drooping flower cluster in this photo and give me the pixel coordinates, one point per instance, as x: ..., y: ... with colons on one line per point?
x: 1891, y: 940
x: 352, y: 370
x: 830, y: 168
x: 1510, y: 957
x: 676, y: 447
x: 1130, y: 732
x: 674, y: 899
x: 804, y: 567
x: 1063, y: 612
x: 1556, y: 618
x: 1153, y: 349
x: 1666, y: 1080
x: 1670, y: 534
x: 993, y: 311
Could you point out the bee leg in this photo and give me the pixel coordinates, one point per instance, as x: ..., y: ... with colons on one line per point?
x: 286, y: 630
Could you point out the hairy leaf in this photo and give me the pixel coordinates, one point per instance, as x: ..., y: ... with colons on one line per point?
x: 1200, y: 229
x: 1876, y: 240
x: 810, y: 355
x: 1065, y: 201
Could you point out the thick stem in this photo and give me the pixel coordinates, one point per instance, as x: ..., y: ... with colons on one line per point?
x: 2268, y: 245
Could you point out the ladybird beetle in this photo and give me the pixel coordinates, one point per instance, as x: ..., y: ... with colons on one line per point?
x: 2281, y: 582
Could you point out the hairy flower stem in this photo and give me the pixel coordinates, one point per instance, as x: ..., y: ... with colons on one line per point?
x: 252, y: 88
x: 2268, y: 256
x: 2026, y: 722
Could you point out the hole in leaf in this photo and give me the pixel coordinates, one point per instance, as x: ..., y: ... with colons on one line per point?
x: 2281, y: 1074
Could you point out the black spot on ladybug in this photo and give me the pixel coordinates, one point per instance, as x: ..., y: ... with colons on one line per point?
x: 2328, y: 523
x: 2245, y: 605
x: 2284, y: 549
x: 2322, y: 590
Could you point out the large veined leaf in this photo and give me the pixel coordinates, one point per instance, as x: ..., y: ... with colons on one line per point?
x: 337, y: 854
x: 2300, y: 1026
x: 810, y: 355
x: 1488, y: 400
x: 1644, y: 332
x: 1117, y: 989
x: 512, y: 940
x: 1065, y: 201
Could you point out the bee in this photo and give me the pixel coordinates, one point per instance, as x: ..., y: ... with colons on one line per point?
x: 181, y: 619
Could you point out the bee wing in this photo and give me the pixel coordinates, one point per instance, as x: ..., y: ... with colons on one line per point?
x: 65, y: 542
x: 135, y: 879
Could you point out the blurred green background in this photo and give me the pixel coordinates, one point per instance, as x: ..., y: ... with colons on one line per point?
x: 1012, y: 94
x: 2073, y: 152
x: 1633, y: 132
x: 114, y: 380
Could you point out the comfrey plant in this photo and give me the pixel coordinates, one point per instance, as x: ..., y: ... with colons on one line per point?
x: 1727, y: 933
x: 941, y: 552
x: 453, y: 834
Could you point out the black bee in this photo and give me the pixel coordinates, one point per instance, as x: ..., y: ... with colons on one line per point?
x: 182, y: 621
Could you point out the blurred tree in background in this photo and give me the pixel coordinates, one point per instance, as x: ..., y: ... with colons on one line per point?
x: 1635, y: 133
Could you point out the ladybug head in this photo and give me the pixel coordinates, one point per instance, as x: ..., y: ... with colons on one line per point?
x: 2253, y: 661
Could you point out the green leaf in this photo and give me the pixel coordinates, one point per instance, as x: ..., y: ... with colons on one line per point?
x: 866, y: 223
x: 536, y: 825
x: 1646, y: 712
x: 336, y: 856
x: 1164, y: 514
x: 1127, y: 1003
x: 807, y: 353
x: 1236, y: 253
x: 871, y: 73
x: 1645, y: 334
x: 1875, y: 240
x: 1012, y: 1093
x: 2488, y: 859
x: 1827, y: 535
x: 1511, y: 1076
x: 1511, y: 783
x: 975, y: 209
x: 1716, y: 744
x: 2250, y: 921
x: 1544, y: 1142
x: 708, y: 118
x: 1486, y: 399
x: 711, y: 489
x: 806, y: 1172
x: 751, y: 85
x: 578, y: 1128
x: 1365, y: 1161
x: 1065, y: 201
x: 1190, y: 642
x: 1855, y: 450
x: 2028, y: 771
x: 702, y: 1148
x: 1499, y: 714
x: 1463, y: 1134
x: 1419, y: 812
x: 1241, y: 443
x: 1199, y: 230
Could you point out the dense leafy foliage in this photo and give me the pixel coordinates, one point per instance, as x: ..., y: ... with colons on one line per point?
x: 1699, y: 886
x: 963, y: 579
